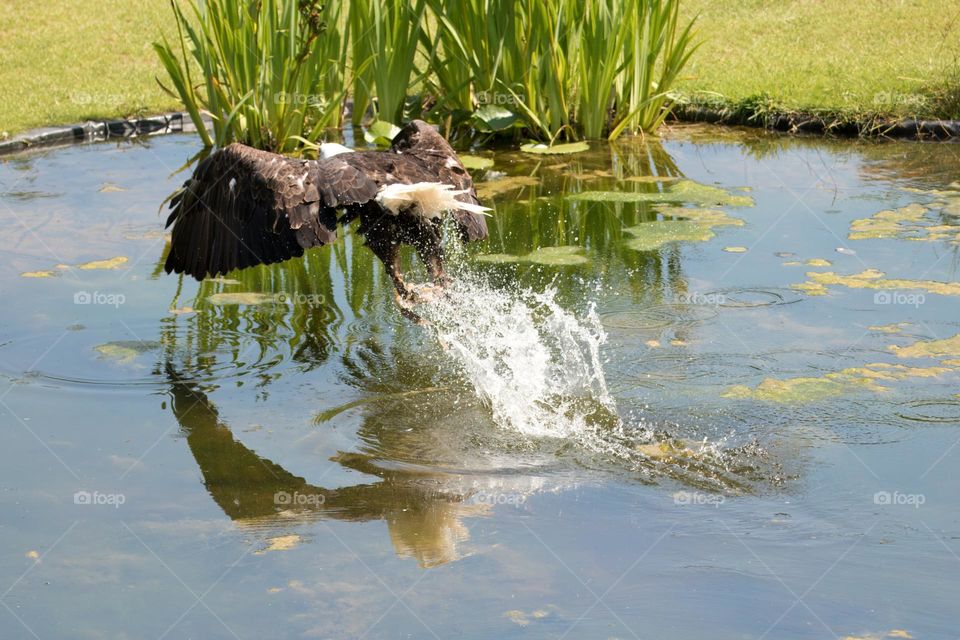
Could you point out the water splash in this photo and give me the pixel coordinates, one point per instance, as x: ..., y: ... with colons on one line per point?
x: 534, y: 363
x: 539, y: 368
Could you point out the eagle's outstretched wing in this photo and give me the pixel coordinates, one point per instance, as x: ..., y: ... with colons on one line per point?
x: 243, y: 207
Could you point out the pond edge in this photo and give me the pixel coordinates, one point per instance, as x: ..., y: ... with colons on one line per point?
x: 794, y: 123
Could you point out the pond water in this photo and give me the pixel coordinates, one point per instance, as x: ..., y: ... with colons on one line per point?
x: 701, y: 387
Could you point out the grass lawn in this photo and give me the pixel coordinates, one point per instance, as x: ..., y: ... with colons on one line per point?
x: 70, y: 60
x: 66, y: 61
x: 845, y: 56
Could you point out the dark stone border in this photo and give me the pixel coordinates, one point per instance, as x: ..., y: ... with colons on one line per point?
x: 910, y: 129
x: 92, y: 131
x: 180, y: 122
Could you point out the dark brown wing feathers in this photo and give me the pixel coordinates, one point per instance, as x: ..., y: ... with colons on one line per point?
x: 243, y: 206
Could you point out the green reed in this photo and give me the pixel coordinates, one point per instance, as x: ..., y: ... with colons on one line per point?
x: 268, y: 72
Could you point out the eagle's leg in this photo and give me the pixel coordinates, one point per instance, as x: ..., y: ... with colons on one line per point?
x: 429, y: 247
x: 389, y: 254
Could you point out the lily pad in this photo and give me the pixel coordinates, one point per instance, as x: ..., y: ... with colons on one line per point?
x: 563, y: 256
x: 498, y: 258
x: 557, y: 149
x: 686, y: 191
x: 491, y: 118
x: 473, y: 163
x: 557, y: 256
x: 381, y: 133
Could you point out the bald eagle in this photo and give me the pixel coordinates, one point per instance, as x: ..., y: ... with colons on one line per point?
x: 244, y: 206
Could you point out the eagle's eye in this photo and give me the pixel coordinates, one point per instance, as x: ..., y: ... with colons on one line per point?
x: 457, y: 170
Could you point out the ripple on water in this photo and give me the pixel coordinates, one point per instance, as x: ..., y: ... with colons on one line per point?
x: 658, y: 317
x: 101, y: 358
x: 750, y: 298
x: 932, y: 411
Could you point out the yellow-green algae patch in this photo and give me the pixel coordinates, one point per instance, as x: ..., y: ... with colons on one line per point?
x: 811, y: 288
x: 873, y: 279
x: 40, y: 274
x: 949, y: 347
x: 735, y: 249
x: 818, y: 262
x: 109, y: 263
x: 813, y: 389
x: 653, y: 235
x: 912, y: 222
x: 896, y: 327
x: 686, y: 191
x: 696, y: 225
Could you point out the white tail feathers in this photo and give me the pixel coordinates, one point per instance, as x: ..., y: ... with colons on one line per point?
x: 331, y: 149
x: 432, y: 199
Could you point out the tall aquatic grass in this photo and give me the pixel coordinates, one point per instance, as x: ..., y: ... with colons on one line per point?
x: 386, y: 37
x: 577, y: 67
x: 268, y: 72
x: 271, y: 75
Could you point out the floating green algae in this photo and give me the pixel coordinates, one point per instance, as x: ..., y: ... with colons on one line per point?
x: 813, y: 389
x: 948, y: 347
x: 696, y: 225
x: 911, y: 222
x: 872, y: 279
x: 686, y: 191
x: 563, y: 256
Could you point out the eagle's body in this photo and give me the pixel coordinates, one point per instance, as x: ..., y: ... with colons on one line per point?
x: 244, y: 207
